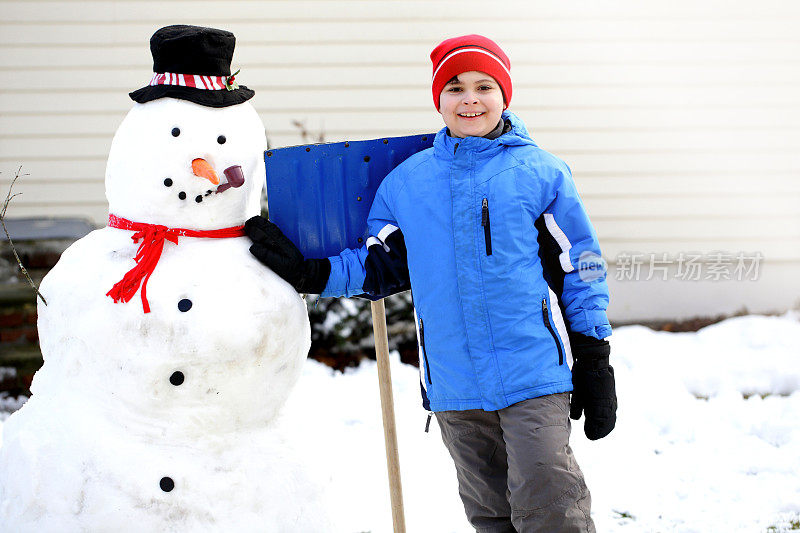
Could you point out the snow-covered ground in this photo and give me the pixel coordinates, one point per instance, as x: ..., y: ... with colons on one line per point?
x: 708, y: 436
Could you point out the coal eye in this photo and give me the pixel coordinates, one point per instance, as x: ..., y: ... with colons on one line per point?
x: 176, y: 132
x: 221, y: 139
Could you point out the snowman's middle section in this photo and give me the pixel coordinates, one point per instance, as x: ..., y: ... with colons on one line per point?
x: 219, y: 351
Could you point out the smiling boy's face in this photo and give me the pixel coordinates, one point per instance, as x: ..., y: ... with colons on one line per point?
x: 471, y: 104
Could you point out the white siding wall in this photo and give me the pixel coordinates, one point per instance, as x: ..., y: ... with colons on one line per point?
x: 680, y: 120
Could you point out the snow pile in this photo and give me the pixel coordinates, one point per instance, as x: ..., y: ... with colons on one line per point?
x: 708, y: 437
x: 676, y: 462
x: 690, y: 453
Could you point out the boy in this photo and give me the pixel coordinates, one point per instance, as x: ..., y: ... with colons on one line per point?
x: 489, y: 233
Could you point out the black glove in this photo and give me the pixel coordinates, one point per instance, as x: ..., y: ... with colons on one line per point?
x: 274, y: 249
x: 594, y: 391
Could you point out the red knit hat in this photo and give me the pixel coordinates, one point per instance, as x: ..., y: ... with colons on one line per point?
x: 467, y: 53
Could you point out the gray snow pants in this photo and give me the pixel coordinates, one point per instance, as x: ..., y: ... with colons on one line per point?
x: 515, y: 469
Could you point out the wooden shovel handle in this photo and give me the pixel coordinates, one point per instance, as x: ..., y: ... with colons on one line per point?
x: 387, y: 409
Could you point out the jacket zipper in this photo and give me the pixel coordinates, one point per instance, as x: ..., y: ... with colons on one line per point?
x: 487, y: 231
x: 424, y: 353
x: 546, y: 318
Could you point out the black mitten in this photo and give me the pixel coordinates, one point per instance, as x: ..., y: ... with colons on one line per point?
x: 594, y: 392
x: 274, y: 249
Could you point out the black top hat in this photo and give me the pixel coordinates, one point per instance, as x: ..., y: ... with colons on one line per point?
x: 193, y: 63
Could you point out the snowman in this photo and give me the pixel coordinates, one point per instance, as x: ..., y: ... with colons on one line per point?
x: 168, y: 348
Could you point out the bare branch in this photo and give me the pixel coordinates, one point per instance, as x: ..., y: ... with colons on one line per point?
x: 9, y: 197
x: 8, y: 200
x: 306, y: 135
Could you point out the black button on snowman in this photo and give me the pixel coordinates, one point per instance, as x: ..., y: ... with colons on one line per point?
x: 167, y: 484
x: 176, y: 378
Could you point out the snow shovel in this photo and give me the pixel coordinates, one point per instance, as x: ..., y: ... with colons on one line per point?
x: 320, y: 196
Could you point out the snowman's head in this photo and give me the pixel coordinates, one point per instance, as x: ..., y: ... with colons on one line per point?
x: 180, y: 164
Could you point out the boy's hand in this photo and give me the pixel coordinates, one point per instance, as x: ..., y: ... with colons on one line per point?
x: 594, y: 391
x: 275, y: 250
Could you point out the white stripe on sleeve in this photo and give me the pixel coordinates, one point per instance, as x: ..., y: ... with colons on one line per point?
x: 383, y: 234
x: 375, y: 240
x: 562, y: 241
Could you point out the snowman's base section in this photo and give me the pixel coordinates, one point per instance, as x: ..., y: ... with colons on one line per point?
x: 59, y: 474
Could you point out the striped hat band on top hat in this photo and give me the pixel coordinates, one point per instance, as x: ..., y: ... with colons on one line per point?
x: 469, y: 53
x: 211, y: 83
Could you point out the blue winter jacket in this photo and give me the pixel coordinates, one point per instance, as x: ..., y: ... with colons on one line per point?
x: 497, y: 248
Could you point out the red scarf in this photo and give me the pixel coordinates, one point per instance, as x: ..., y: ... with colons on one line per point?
x: 153, y: 237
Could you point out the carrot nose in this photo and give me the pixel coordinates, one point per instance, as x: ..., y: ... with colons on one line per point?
x: 202, y: 169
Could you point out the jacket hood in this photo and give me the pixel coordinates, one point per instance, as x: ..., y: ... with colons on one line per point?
x: 445, y: 145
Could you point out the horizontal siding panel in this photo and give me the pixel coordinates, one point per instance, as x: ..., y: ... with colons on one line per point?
x: 32, y: 102
x: 666, y: 98
x: 579, y: 158
x: 772, y: 248
x: 55, y: 116
x: 19, y: 151
x: 66, y: 124
x: 683, y: 162
x: 688, y: 230
x: 97, y: 213
x: 257, y: 55
x: 750, y: 128
x: 762, y: 145
x: 764, y: 141
x: 427, y: 28
x: 704, y: 121
x: 766, y: 205
x: 49, y: 194
x: 58, y: 171
x: 623, y: 101
x: 619, y: 258
x: 409, y: 76
x: 696, y: 185
x: 103, y: 11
